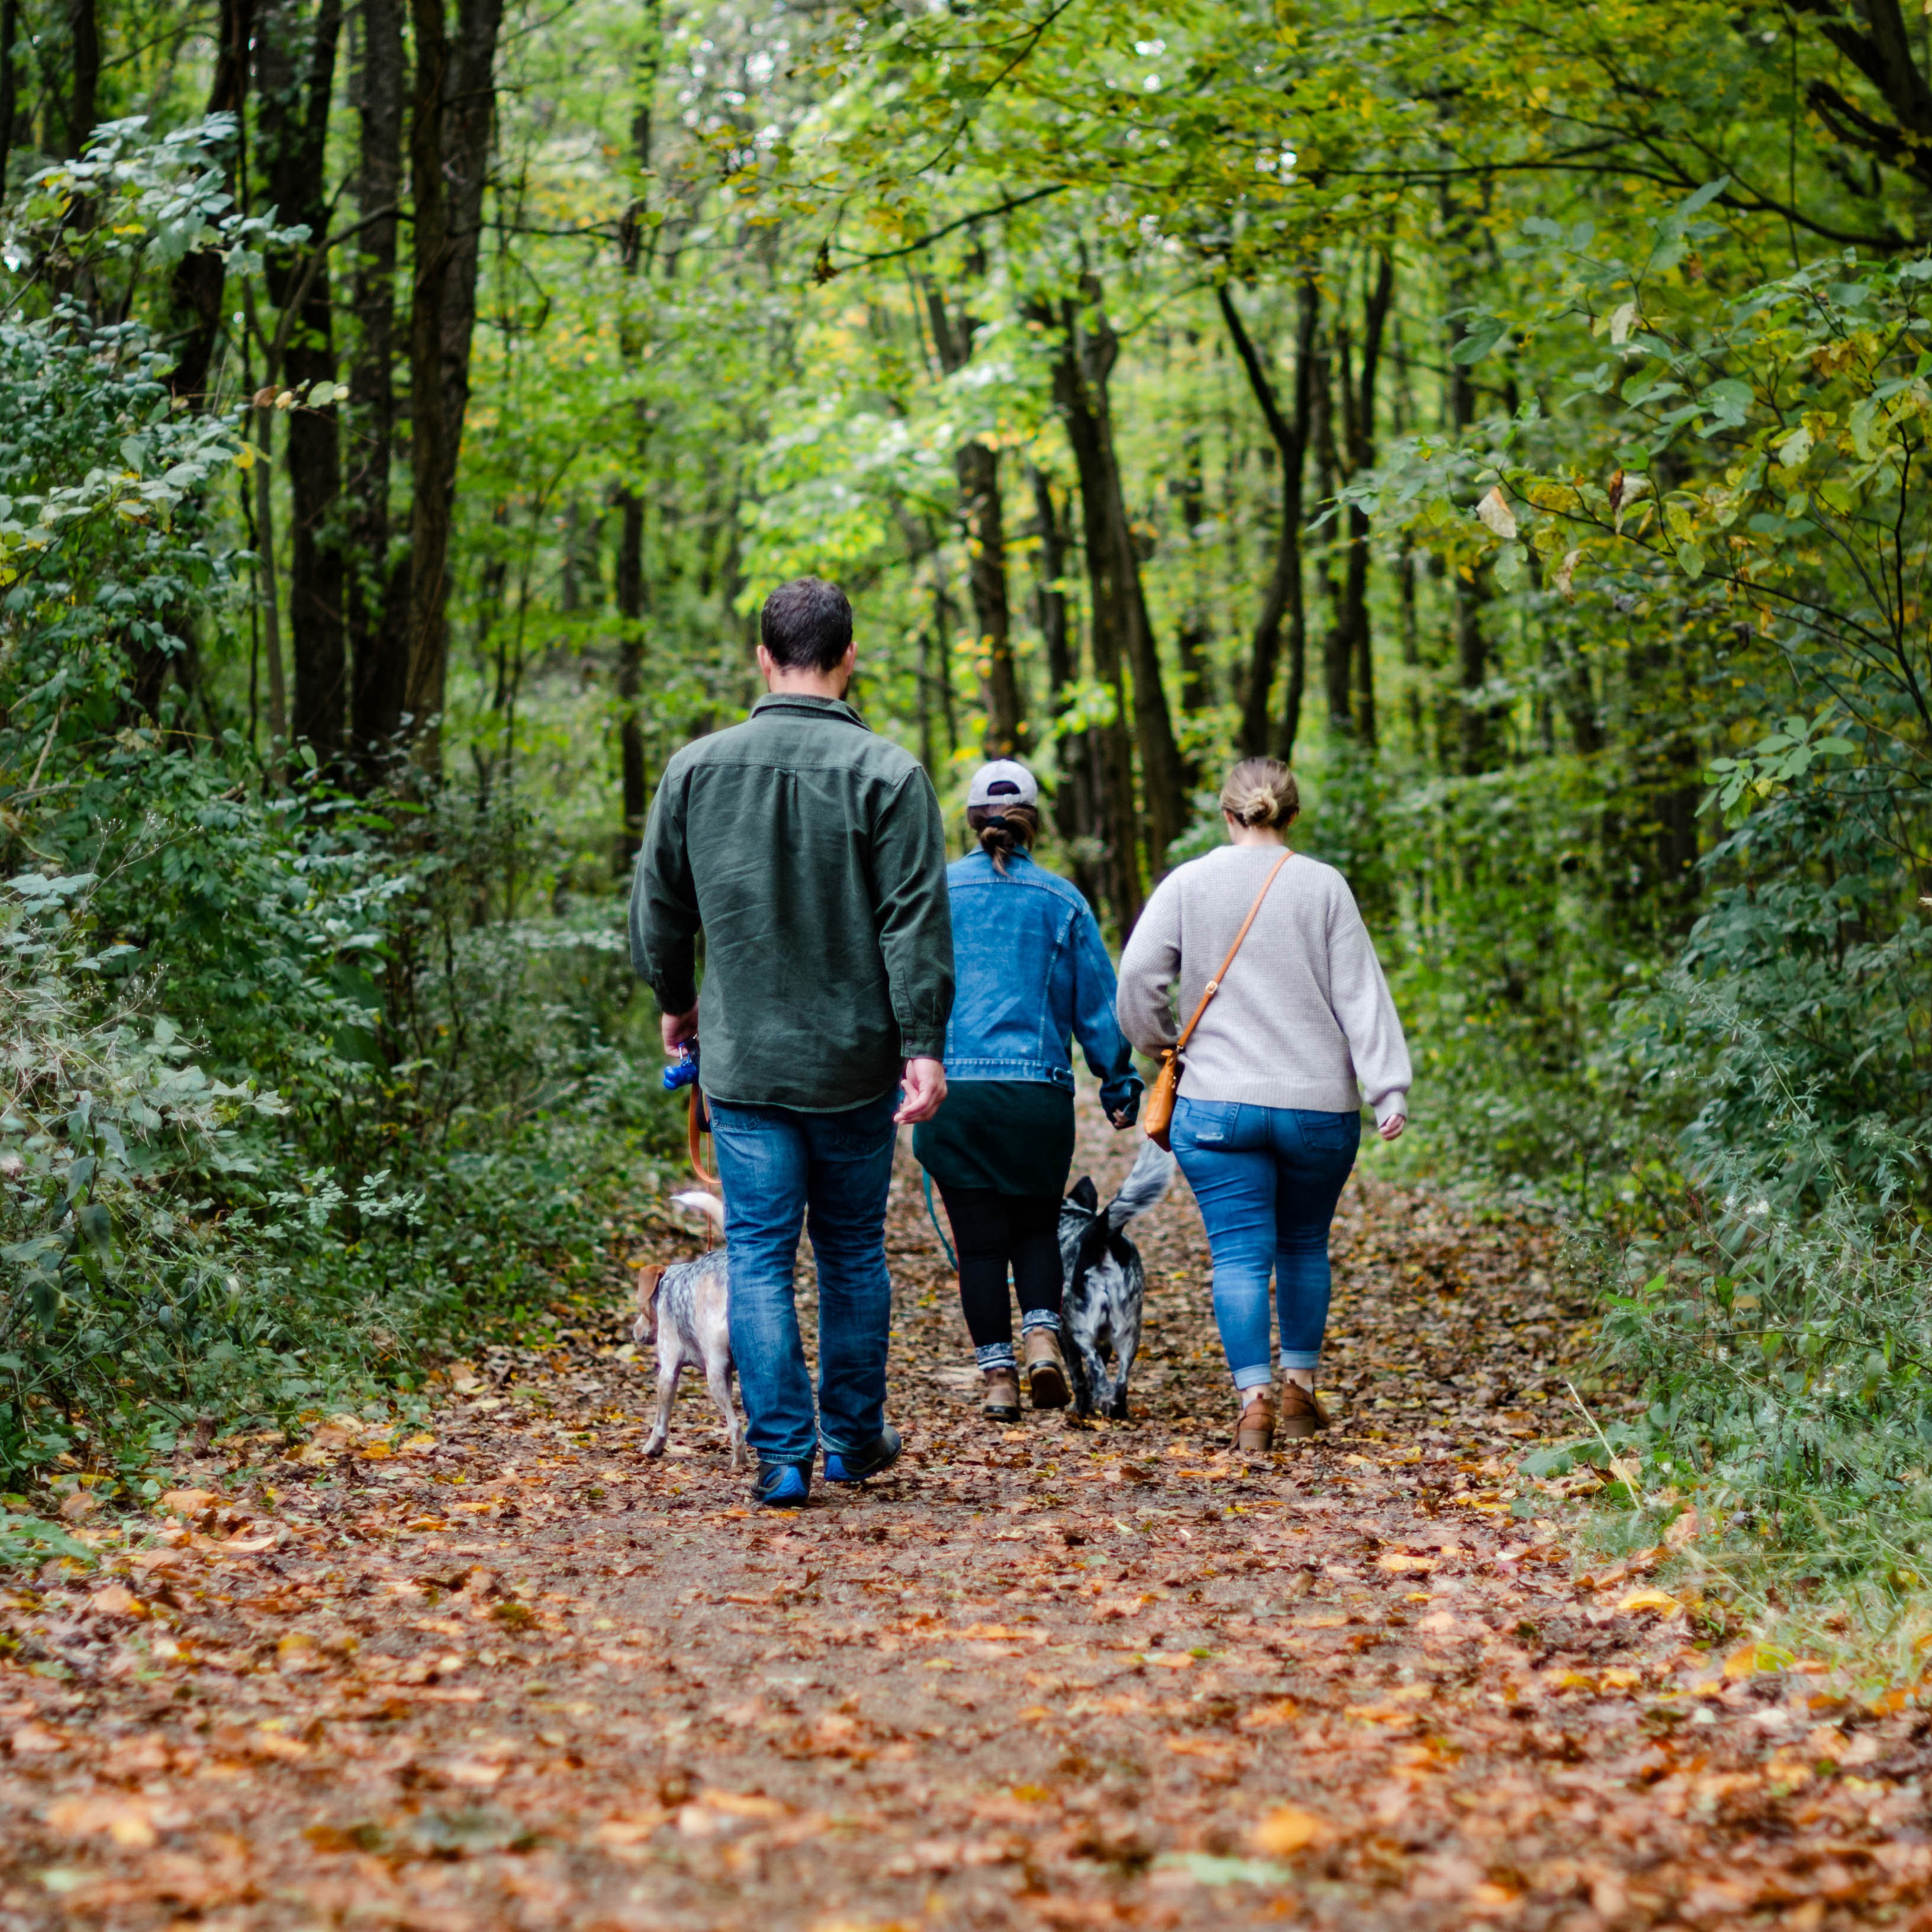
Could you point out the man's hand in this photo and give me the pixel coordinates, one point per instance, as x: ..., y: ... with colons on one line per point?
x: 925, y: 1082
x: 678, y: 1030
x: 1391, y: 1129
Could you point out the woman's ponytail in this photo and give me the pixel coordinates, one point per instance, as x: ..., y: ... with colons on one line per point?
x: 1003, y: 830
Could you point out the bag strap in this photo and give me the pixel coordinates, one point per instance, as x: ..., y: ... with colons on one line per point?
x: 1214, y: 985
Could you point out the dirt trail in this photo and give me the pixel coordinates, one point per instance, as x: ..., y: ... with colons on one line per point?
x: 506, y: 1674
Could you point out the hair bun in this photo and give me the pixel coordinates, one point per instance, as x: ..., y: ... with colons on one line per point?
x: 1260, y: 791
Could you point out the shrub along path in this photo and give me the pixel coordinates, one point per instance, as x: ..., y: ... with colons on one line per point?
x: 501, y: 1673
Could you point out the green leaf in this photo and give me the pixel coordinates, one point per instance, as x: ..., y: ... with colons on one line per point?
x: 1690, y: 559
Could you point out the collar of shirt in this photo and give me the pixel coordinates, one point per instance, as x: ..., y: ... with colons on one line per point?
x: 805, y: 701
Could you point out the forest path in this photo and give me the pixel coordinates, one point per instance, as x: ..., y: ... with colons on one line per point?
x: 504, y: 1674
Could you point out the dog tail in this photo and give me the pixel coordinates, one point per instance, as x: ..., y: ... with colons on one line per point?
x: 700, y: 1202
x: 1143, y: 1188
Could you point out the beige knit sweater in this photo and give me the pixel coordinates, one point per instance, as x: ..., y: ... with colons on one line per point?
x: 1304, y: 1013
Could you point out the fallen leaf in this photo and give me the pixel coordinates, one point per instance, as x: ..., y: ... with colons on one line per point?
x: 1287, y: 1830
x: 124, y: 1820
x: 1650, y: 1600
x: 116, y: 1600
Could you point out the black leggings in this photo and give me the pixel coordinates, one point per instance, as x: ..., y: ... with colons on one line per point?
x: 992, y: 1230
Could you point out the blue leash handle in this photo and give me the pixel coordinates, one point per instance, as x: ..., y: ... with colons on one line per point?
x: 933, y: 1214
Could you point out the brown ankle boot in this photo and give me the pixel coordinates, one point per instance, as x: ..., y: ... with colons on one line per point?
x: 1002, y: 1396
x: 1255, y: 1429
x: 1045, y: 1369
x: 1301, y: 1414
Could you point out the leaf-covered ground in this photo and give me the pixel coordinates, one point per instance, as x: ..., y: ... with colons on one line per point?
x: 505, y: 1673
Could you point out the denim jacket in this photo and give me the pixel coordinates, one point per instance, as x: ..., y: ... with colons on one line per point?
x: 1031, y: 973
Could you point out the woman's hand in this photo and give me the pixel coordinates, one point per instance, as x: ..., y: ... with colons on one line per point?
x: 1123, y: 1118
x: 1391, y: 1130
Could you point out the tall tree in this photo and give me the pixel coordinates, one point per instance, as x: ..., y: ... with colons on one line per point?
x: 1361, y: 442
x: 1116, y: 817
x: 449, y: 151
x: 630, y: 574
x: 1282, y: 598
x: 1076, y: 752
x: 976, y: 463
x: 296, y: 83
x: 10, y: 81
x: 1349, y: 660
x: 1090, y: 347
x: 201, y: 277
x: 375, y: 587
x: 80, y: 102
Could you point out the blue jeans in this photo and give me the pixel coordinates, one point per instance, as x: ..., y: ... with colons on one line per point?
x: 1267, y: 1180
x: 779, y: 1169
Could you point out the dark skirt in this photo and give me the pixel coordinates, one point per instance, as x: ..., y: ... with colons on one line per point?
x: 1013, y: 1136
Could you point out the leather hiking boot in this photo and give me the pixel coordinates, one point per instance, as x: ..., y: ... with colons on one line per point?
x: 1255, y: 1429
x: 1045, y: 1369
x: 1301, y: 1414
x: 1002, y: 1396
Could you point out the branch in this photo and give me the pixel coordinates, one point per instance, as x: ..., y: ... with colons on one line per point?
x: 926, y: 240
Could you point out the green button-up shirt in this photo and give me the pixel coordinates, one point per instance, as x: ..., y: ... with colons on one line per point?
x: 813, y: 854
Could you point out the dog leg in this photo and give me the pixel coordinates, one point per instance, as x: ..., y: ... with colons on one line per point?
x: 717, y: 1380
x: 670, y: 1362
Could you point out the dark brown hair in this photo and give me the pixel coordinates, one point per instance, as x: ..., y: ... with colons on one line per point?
x: 1003, y: 830
x: 806, y: 624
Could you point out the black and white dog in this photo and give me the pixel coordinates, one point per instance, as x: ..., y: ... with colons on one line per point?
x: 686, y: 1309
x: 1105, y: 1282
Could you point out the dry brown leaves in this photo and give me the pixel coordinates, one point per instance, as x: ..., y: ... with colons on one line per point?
x: 503, y: 1672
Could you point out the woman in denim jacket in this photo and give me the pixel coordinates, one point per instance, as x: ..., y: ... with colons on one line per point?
x: 1032, y: 974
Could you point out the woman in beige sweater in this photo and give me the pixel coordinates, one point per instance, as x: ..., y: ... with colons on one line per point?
x: 1268, y: 1120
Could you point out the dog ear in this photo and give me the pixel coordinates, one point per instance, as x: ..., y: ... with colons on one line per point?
x: 650, y: 1278
x: 1086, y: 1195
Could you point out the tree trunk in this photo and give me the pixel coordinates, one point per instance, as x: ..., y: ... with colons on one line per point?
x: 977, y: 464
x: 630, y: 584
x: 376, y: 587
x: 296, y: 80
x: 200, y: 278
x: 1331, y: 350
x: 1080, y: 362
x: 1190, y: 639
x: 10, y: 89
x: 1074, y: 812
x: 1282, y: 598
x: 82, y: 101
x: 1467, y: 594
x: 449, y: 151
x: 1360, y: 404
x: 1466, y: 619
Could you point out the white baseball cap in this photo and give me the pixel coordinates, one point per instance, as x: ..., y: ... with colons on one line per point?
x: 1005, y: 781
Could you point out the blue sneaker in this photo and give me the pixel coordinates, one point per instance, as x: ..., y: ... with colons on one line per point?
x: 874, y: 1460
x: 784, y: 1485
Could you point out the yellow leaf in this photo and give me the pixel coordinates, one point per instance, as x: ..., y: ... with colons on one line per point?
x: 1286, y: 1830
x: 1651, y: 1599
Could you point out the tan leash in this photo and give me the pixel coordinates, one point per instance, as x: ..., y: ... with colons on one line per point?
x: 696, y: 1125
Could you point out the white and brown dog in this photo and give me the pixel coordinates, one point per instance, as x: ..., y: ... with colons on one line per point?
x: 685, y: 1308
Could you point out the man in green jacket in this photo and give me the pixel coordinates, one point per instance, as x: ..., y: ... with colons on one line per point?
x: 813, y: 855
